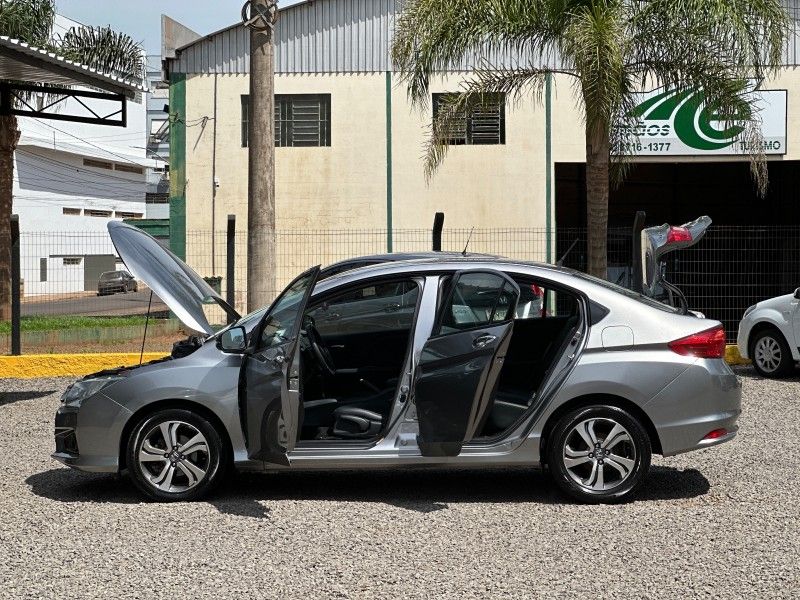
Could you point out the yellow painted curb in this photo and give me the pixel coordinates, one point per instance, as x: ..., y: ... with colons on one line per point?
x: 732, y: 356
x: 67, y: 365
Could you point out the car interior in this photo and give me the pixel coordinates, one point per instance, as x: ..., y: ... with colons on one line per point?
x: 353, y: 347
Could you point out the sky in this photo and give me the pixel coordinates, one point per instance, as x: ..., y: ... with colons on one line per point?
x: 141, y: 19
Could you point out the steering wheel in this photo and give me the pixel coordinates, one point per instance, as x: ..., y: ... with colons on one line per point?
x: 318, y: 347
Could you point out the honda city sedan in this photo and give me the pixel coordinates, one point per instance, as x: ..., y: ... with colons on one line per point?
x: 439, y: 362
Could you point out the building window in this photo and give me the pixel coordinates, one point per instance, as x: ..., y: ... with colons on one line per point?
x: 486, y: 124
x: 129, y: 169
x: 71, y: 211
x: 97, y: 164
x: 300, y: 120
x: 71, y: 260
x: 156, y: 198
x: 127, y: 215
x: 97, y: 213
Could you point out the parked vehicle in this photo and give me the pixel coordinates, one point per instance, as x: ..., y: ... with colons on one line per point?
x: 768, y: 335
x: 445, y: 361
x: 112, y: 282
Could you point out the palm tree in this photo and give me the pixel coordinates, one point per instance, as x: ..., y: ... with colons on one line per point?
x: 31, y: 21
x: 610, y: 49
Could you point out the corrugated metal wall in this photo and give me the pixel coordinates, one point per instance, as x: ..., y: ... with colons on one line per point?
x: 338, y: 36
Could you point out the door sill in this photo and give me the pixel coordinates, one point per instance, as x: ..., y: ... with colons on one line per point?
x: 335, y: 444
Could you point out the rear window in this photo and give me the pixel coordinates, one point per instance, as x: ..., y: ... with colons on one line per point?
x: 625, y: 291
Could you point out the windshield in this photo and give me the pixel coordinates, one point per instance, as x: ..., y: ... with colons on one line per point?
x: 111, y: 275
x: 625, y: 291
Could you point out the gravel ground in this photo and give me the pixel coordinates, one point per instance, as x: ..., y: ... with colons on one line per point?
x: 722, y: 522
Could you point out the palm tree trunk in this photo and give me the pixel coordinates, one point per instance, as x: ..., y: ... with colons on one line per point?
x: 9, y: 136
x: 597, y: 160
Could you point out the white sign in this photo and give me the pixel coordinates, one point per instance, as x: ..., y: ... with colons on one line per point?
x: 680, y: 124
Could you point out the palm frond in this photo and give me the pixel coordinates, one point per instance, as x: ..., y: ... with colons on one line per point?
x: 104, y: 49
x: 30, y: 21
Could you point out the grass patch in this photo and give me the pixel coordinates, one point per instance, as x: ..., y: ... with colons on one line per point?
x: 51, y: 323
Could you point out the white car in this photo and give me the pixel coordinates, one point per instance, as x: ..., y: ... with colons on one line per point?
x: 768, y: 335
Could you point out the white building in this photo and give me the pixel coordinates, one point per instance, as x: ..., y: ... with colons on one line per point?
x: 70, y: 179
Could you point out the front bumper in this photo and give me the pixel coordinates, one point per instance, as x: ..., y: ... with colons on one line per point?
x: 707, y: 396
x: 88, y: 437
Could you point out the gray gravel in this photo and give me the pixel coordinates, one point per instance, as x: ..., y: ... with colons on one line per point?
x: 718, y: 523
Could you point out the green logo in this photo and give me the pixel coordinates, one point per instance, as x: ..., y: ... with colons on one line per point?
x: 691, y: 119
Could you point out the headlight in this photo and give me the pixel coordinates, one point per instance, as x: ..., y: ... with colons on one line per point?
x: 80, y: 390
x: 749, y: 310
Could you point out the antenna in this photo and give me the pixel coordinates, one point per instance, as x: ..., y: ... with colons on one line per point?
x: 146, y: 320
x: 469, y: 237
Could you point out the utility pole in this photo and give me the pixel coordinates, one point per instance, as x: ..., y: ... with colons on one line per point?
x: 259, y: 16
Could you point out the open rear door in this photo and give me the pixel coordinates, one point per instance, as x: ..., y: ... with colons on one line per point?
x: 269, y: 396
x: 459, y: 365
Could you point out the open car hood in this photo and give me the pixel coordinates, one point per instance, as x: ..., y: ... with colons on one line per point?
x: 178, y: 286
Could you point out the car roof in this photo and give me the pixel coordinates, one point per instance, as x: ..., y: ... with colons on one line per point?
x: 393, y: 257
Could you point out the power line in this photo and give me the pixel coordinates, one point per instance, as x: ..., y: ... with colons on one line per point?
x: 75, y: 167
x: 126, y: 159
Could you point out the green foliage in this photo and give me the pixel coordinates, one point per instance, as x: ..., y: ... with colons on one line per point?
x: 53, y: 323
x: 28, y: 20
x: 104, y: 49
x: 610, y: 48
x: 101, y: 48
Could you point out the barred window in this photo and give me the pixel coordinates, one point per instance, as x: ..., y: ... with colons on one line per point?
x: 485, y: 125
x: 300, y: 120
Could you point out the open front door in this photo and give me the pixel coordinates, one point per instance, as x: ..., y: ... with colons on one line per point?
x: 270, y: 406
x: 460, y: 363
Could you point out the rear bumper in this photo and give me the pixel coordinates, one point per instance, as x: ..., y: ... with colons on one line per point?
x: 706, y: 397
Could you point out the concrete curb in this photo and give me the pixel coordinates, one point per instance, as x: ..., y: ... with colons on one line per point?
x: 67, y: 365
x: 72, y: 365
x: 732, y: 356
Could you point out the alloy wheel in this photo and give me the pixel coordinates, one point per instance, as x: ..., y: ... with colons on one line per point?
x: 768, y: 354
x: 174, y: 456
x: 599, y: 454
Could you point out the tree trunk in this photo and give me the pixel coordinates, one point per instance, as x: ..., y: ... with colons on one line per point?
x: 597, y: 160
x: 261, y: 163
x: 9, y: 136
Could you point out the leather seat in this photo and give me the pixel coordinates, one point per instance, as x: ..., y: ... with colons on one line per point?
x: 352, y: 422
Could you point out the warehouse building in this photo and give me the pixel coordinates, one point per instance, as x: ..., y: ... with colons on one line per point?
x: 349, y: 145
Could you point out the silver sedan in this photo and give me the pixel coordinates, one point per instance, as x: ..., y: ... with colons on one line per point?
x: 446, y: 362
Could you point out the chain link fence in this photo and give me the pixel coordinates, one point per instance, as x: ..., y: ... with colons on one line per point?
x: 67, y: 304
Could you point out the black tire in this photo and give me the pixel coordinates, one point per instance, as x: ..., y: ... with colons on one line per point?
x: 614, y: 487
x: 214, y: 462
x: 770, y: 338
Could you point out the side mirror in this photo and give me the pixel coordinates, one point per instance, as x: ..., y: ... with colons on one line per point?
x: 233, y: 340
x: 797, y: 293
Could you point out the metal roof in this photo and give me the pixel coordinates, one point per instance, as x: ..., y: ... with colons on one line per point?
x: 25, y: 63
x: 342, y: 36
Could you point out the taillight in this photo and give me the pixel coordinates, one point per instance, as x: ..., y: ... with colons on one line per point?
x: 706, y: 344
x: 678, y: 234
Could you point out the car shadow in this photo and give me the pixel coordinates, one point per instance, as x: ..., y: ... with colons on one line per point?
x: 749, y: 372
x: 11, y: 397
x: 418, y: 490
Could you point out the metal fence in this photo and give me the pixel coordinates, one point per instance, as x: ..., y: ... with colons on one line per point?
x: 731, y: 268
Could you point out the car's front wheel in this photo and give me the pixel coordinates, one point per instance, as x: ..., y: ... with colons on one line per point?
x: 770, y: 354
x: 599, y: 454
x: 175, y: 454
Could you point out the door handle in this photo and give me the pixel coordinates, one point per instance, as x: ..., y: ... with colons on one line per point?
x: 333, y: 317
x: 394, y: 307
x: 483, y: 340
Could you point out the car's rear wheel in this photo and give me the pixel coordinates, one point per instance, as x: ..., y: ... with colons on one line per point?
x: 770, y: 354
x: 599, y: 454
x: 175, y: 454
